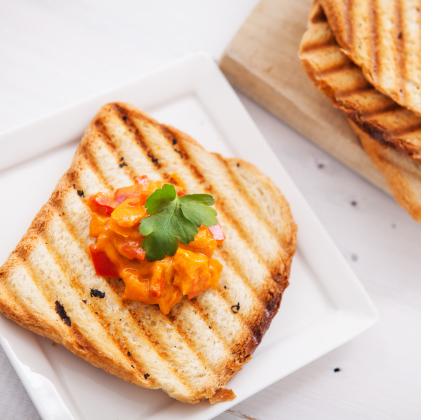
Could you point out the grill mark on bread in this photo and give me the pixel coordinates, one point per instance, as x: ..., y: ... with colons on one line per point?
x: 250, y: 201
x: 374, y: 41
x: 179, y: 322
x: 335, y: 68
x: 399, y: 45
x: 87, y: 158
x: 126, y: 120
x: 105, y: 136
x: 349, y: 29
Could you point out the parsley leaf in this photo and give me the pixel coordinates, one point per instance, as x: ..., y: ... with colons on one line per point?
x: 173, y: 219
x: 196, y: 208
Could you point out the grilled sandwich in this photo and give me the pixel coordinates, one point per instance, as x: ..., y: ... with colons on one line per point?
x: 382, y: 38
x: 396, y: 130
x: 344, y: 83
x: 49, y: 285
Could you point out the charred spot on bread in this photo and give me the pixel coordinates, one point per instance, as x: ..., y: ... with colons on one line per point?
x: 179, y: 152
x: 235, y: 308
x: 122, y: 164
x: 278, y: 277
x: 62, y: 314
x: 80, y: 193
x: 97, y: 293
x: 129, y: 354
x: 153, y: 159
x: 146, y: 375
x: 263, y: 323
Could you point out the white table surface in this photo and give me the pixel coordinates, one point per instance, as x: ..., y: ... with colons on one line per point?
x: 55, y: 52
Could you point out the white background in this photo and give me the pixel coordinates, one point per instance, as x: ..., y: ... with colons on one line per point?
x: 55, y: 52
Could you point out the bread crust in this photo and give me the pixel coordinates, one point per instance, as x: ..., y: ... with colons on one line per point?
x: 120, y: 143
x: 404, y: 181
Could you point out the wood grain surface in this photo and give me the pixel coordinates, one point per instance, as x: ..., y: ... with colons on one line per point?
x: 262, y: 62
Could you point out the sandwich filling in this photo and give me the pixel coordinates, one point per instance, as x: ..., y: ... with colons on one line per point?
x: 157, y: 239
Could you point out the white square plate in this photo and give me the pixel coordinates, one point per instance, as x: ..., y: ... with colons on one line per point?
x: 324, y: 306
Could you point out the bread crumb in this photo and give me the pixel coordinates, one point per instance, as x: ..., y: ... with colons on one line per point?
x: 222, y: 395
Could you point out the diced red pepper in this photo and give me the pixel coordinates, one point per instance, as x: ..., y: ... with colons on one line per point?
x: 132, y: 250
x: 122, y: 194
x: 157, y: 287
x: 180, y: 193
x: 103, y: 265
x: 217, y: 232
x: 101, y: 203
x: 136, y: 190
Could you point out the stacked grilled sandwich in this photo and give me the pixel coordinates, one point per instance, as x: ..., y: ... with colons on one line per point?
x: 365, y: 57
x: 49, y: 284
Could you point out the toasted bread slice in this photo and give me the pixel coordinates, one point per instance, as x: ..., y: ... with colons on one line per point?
x: 344, y: 83
x: 387, y: 132
x: 45, y: 285
x: 383, y: 38
x: 402, y: 174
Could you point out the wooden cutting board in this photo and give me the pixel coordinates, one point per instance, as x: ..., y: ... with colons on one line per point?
x: 262, y: 62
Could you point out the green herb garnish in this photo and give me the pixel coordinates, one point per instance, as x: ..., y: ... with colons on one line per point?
x: 173, y: 218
